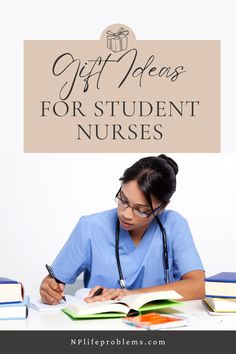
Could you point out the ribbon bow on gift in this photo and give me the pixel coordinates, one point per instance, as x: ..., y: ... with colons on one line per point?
x: 120, y: 32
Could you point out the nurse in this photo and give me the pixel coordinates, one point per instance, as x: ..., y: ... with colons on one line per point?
x: 138, y: 247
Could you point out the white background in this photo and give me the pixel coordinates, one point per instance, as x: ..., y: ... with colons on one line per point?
x: 43, y: 195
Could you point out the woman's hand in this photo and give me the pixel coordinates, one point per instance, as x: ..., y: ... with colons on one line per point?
x: 107, y: 294
x: 51, y: 292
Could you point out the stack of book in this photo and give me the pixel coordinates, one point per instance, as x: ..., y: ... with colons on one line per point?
x: 13, y: 304
x: 220, y: 290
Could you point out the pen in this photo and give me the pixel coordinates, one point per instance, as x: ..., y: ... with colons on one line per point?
x: 51, y: 273
x: 98, y: 292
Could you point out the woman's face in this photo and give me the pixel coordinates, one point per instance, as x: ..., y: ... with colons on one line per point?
x: 131, y: 193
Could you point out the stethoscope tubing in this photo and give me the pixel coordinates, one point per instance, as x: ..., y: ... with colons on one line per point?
x: 165, y: 252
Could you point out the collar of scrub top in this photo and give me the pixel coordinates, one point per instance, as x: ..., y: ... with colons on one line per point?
x: 165, y: 253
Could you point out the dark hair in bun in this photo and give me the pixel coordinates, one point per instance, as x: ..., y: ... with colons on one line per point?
x: 155, y: 175
x: 171, y: 162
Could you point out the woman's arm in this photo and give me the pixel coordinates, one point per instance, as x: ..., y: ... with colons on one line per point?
x: 191, y: 287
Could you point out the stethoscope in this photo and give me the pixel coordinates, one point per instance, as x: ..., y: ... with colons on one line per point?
x: 165, y: 253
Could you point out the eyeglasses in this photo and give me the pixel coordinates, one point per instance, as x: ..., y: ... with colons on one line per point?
x: 124, y: 204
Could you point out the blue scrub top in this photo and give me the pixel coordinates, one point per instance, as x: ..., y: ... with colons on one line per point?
x: 91, y: 249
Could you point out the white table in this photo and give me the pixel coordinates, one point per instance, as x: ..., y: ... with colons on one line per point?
x: 198, y: 317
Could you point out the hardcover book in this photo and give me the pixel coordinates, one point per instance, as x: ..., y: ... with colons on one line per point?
x: 221, y: 304
x: 221, y: 285
x: 14, y: 311
x: 10, y: 291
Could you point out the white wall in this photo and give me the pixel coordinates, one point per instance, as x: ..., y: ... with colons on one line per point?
x: 43, y: 195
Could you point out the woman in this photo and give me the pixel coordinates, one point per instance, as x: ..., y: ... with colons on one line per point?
x: 138, y: 247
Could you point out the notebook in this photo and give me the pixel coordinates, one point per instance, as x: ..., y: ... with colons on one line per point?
x: 154, y: 321
x: 38, y: 305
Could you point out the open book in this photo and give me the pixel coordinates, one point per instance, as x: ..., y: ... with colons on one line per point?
x: 129, y: 305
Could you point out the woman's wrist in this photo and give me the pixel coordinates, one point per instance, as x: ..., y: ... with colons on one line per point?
x: 131, y: 292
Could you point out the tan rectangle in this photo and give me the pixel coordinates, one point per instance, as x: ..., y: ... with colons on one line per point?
x: 118, y: 94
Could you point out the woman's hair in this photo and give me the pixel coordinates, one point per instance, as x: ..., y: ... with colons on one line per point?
x: 155, y: 175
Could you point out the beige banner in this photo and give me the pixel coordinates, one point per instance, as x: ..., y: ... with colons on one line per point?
x: 119, y: 94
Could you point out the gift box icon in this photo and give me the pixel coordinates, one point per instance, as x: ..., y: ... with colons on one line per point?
x: 117, y: 41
